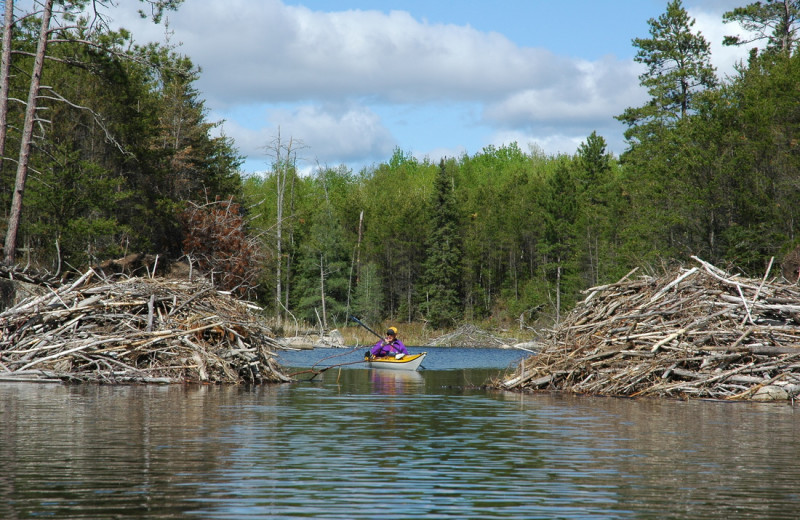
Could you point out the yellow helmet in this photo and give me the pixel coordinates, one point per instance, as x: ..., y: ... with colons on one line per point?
x: 392, y: 331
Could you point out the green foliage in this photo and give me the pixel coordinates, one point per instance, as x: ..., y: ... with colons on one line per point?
x: 748, y: 248
x: 395, y: 199
x: 656, y: 178
x: 595, y: 164
x: 595, y: 229
x: 74, y: 202
x: 561, y: 204
x: 368, y: 298
x: 773, y: 20
x: 321, y: 278
x: 502, y: 235
x: 127, y: 144
x: 442, y: 267
x: 678, y: 66
x: 499, y: 193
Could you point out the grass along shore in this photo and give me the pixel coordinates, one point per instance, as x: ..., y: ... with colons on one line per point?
x: 419, y: 334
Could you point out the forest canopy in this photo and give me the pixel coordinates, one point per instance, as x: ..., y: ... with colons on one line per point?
x: 126, y: 161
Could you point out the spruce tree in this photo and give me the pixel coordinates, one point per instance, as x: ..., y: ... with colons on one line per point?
x: 443, y: 269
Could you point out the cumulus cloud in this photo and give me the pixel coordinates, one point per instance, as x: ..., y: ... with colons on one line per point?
x: 319, y: 76
x: 595, y: 92
x: 250, y: 51
x: 723, y: 57
x: 340, y: 133
x: 324, y: 134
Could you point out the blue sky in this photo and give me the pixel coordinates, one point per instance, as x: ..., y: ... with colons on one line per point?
x: 354, y: 80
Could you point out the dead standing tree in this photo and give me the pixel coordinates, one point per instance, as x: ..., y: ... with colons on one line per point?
x: 5, y: 69
x: 26, y: 141
x: 216, y: 237
x: 285, y: 170
x: 10, y: 247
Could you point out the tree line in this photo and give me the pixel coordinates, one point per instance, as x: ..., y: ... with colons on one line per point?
x: 515, y: 235
x: 502, y: 236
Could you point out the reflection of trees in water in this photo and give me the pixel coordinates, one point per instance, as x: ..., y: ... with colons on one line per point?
x: 56, y: 436
x: 92, y: 451
x: 700, y: 458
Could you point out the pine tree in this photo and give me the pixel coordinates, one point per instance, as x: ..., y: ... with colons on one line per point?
x: 678, y: 67
x: 774, y: 20
x: 594, y: 162
x: 561, y: 205
x: 592, y: 176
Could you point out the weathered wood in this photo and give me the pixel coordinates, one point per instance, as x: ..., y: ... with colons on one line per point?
x: 137, y: 331
x: 678, y: 335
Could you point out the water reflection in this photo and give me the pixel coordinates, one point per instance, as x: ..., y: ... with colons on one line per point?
x: 393, y: 382
x: 361, y: 443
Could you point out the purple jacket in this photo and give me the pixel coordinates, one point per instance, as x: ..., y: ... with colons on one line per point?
x: 382, y: 348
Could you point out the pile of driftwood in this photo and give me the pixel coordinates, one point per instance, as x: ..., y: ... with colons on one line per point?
x: 470, y: 336
x: 698, y: 332
x: 136, y: 330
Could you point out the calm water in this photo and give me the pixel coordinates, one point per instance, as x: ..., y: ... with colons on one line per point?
x: 357, y: 443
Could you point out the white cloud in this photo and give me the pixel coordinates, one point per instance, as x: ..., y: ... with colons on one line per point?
x: 255, y: 50
x: 328, y: 134
x: 723, y: 57
x: 320, y: 75
x: 339, y: 133
x: 598, y: 91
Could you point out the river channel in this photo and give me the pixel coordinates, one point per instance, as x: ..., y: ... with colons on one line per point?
x: 357, y: 443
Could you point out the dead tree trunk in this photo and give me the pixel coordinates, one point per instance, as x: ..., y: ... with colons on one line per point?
x: 322, y: 290
x: 27, y: 136
x: 281, y: 176
x: 5, y: 70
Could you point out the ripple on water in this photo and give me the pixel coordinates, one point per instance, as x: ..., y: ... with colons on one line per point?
x: 360, y: 444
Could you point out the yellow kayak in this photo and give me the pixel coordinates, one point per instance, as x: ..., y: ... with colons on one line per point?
x: 407, y: 362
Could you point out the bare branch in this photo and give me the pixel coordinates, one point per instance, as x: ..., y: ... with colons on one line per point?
x: 97, y: 119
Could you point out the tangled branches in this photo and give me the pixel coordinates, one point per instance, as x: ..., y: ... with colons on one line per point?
x: 136, y: 330
x: 698, y: 332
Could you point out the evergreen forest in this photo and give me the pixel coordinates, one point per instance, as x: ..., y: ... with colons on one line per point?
x: 108, y: 143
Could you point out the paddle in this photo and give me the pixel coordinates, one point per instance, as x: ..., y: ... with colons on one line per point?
x: 362, y: 324
x: 317, y: 372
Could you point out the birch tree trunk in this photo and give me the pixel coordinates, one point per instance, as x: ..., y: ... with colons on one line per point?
x: 356, y: 264
x: 27, y: 136
x: 281, y: 175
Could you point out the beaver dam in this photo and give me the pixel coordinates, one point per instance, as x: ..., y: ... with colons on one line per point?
x: 136, y: 330
x: 699, y: 332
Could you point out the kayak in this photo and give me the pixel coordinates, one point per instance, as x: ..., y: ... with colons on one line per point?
x: 407, y: 362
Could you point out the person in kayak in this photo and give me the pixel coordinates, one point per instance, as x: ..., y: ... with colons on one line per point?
x: 389, y: 346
